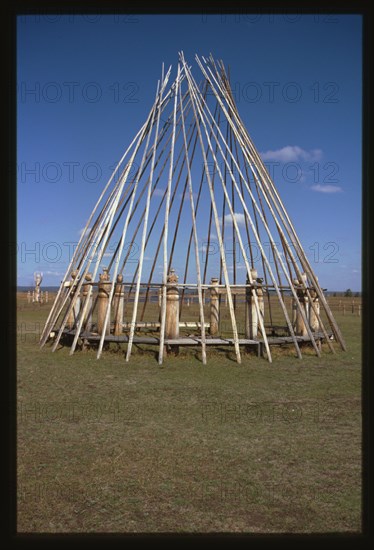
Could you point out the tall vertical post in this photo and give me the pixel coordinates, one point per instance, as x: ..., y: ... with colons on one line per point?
x: 313, y: 318
x: 295, y: 283
x: 28, y: 296
x: 251, y: 317
x: 87, y: 321
x: 74, y: 313
x: 260, y: 298
x: 118, y: 305
x: 103, y: 301
x: 172, y: 309
x: 214, y: 307
x: 46, y: 296
x: 301, y: 329
x: 38, y: 277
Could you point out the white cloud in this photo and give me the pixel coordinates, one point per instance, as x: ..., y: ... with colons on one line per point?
x: 326, y: 188
x: 187, y: 196
x: 158, y: 192
x: 292, y: 153
x: 80, y: 232
x: 239, y: 217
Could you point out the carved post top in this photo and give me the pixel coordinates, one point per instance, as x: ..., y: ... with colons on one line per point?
x: 106, y: 273
x: 214, y: 281
x: 104, y: 276
x: 172, y: 277
x: 74, y: 274
x: 38, y: 277
x: 88, y: 277
x: 119, y: 278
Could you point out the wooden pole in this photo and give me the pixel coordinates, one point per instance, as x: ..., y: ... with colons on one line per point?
x: 74, y: 311
x: 46, y: 296
x: 172, y: 310
x: 118, y: 301
x: 87, y: 321
x: 313, y: 317
x: 251, y: 318
x: 163, y: 329
x: 201, y: 294
x: 294, y: 305
x: 260, y: 299
x: 301, y: 329
x: 29, y: 297
x: 214, y: 307
x: 103, y: 302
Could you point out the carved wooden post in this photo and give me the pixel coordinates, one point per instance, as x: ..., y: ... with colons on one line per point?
x: 46, y: 296
x: 103, y: 301
x: 313, y: 319
x: 118, y: 305
x: 74, y: 313
x: 29, y: 297
x: 87, y: 322
x: 300, y: 325
x: 33, y: 296
x: 172, y: 309
x: 251, y: 317
x: 214, y: 307
x: 260, y: 298
x: 295, y: 283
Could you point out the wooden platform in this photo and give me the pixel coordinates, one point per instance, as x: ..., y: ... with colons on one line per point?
x: 196, y: 340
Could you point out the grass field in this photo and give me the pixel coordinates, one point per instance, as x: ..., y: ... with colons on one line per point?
x: 109, y: 446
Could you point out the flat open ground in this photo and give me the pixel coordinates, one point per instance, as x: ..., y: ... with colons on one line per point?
x: 109, y: 446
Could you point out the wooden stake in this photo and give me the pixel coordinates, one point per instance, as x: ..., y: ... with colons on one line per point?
x: 301, y: 329
x: 74, y: 312
x: 166, y: 232
x: 118, y: 300
x: 214, y: 307
x: 172, y: 310
x: 87, y: 320
x: 103, y: 302
x: 313, y: 318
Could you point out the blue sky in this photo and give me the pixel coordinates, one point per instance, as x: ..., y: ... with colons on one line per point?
x: 86, y: 84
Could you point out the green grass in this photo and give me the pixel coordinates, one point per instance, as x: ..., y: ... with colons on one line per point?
x: 110, y: 446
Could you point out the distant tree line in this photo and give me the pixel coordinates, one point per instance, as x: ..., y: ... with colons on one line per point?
x: 347, y: 294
